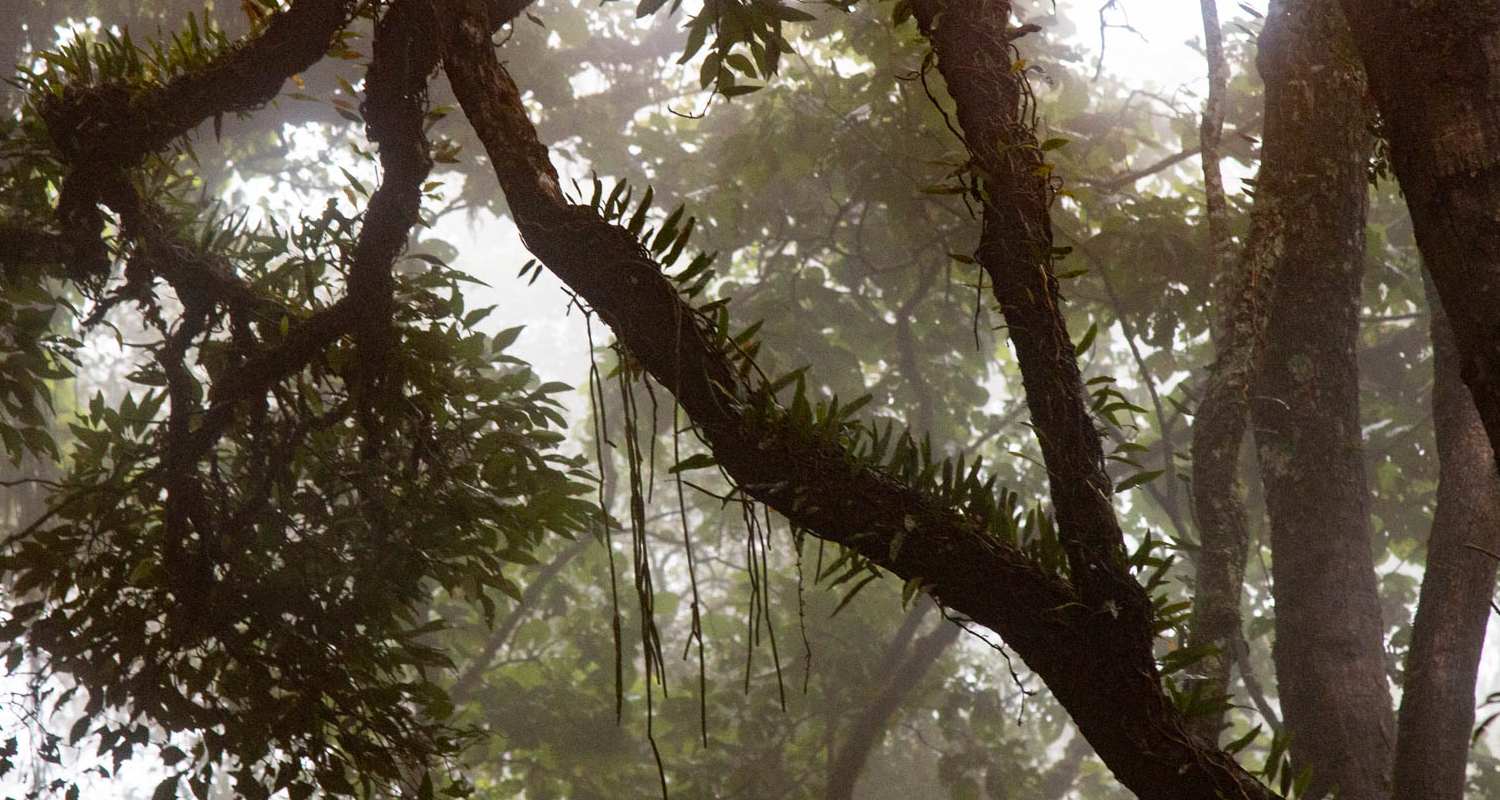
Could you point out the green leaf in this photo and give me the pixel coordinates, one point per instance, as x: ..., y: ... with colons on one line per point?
x: 709, y: 71
x: 791, y: 14
x: 1087, y: 340
x: 79, y: 730
x: 697, y: 34
x: 909, y: 590
x: 507, y: 337
x: 1242, y: 742
x: 1138, y: 479
x: 1054, y: 144
x: 638, y: 221
x: 695, y: 461
x: 741, y: 63
x: 648, y: 7
x: 852, y: 592
x: 858, y: 403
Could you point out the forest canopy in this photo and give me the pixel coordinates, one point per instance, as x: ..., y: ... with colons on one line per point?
x: 924, y: 406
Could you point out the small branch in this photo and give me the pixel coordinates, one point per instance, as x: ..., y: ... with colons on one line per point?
x: 1114, y: 183
x: 469, y: 680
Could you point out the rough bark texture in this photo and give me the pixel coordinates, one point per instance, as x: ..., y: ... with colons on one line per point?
x: 1437, y: 704
x: 1434, y: 69
x: 973, y: 42
x: 1239, y: 324
x: 1329, y: 653
x: 1095, y: 656
x: 909, y: 662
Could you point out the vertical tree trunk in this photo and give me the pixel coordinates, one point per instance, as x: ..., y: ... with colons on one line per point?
x: 1330, y: 659
x: 1434, y: 69
x: 1437, y: 706
x: 1241, y: 290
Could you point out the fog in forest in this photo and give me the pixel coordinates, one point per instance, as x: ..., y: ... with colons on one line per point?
x: 877, y: 399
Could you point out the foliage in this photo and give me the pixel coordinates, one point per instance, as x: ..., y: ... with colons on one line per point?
x: 280, y: 622
x: 304, y: 642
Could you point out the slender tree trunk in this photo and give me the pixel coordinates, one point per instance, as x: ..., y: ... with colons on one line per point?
x: 1434, y: 69
x: 1239, y: 326
x: 1437, y: 705
x: 1330, y: 658
x: 911, y: 661
x: 1059, y: 779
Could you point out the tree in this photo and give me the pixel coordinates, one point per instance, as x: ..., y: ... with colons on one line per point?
x: 321, y: 407
x: 1439, y: 137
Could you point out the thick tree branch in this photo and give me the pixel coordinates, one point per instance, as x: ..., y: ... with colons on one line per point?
x: 972, y: 41
x: 404, y: 57
x: 1330, y: 654
x: 1097, y: 664
x: 1432, y: 68
x: 1437, y: 702
x: 110, y: 125
x: 104, y: 129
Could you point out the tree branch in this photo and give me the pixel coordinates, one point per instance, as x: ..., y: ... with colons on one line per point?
x: 1098, y: 664
x: 100, y: 130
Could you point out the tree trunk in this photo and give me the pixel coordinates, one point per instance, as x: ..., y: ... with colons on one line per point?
x: 1437, y: 705
x: 1240, y: 315
x: 911, y: 661
x: 1434, y: 69
x: 1330, y: 659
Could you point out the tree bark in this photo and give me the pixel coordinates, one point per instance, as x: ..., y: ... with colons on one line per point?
x: 1434, y: 70
x: 1240, y: 316
x: 1329, y: 653
x: 1437, y: 704
x: 1095, y: 656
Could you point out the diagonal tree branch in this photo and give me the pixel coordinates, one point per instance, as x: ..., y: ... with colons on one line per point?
x: 973, y: 42
x: 1098, y: 665
x: 910, y: 661
x: 110, y: 125
x: 470, y: 678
